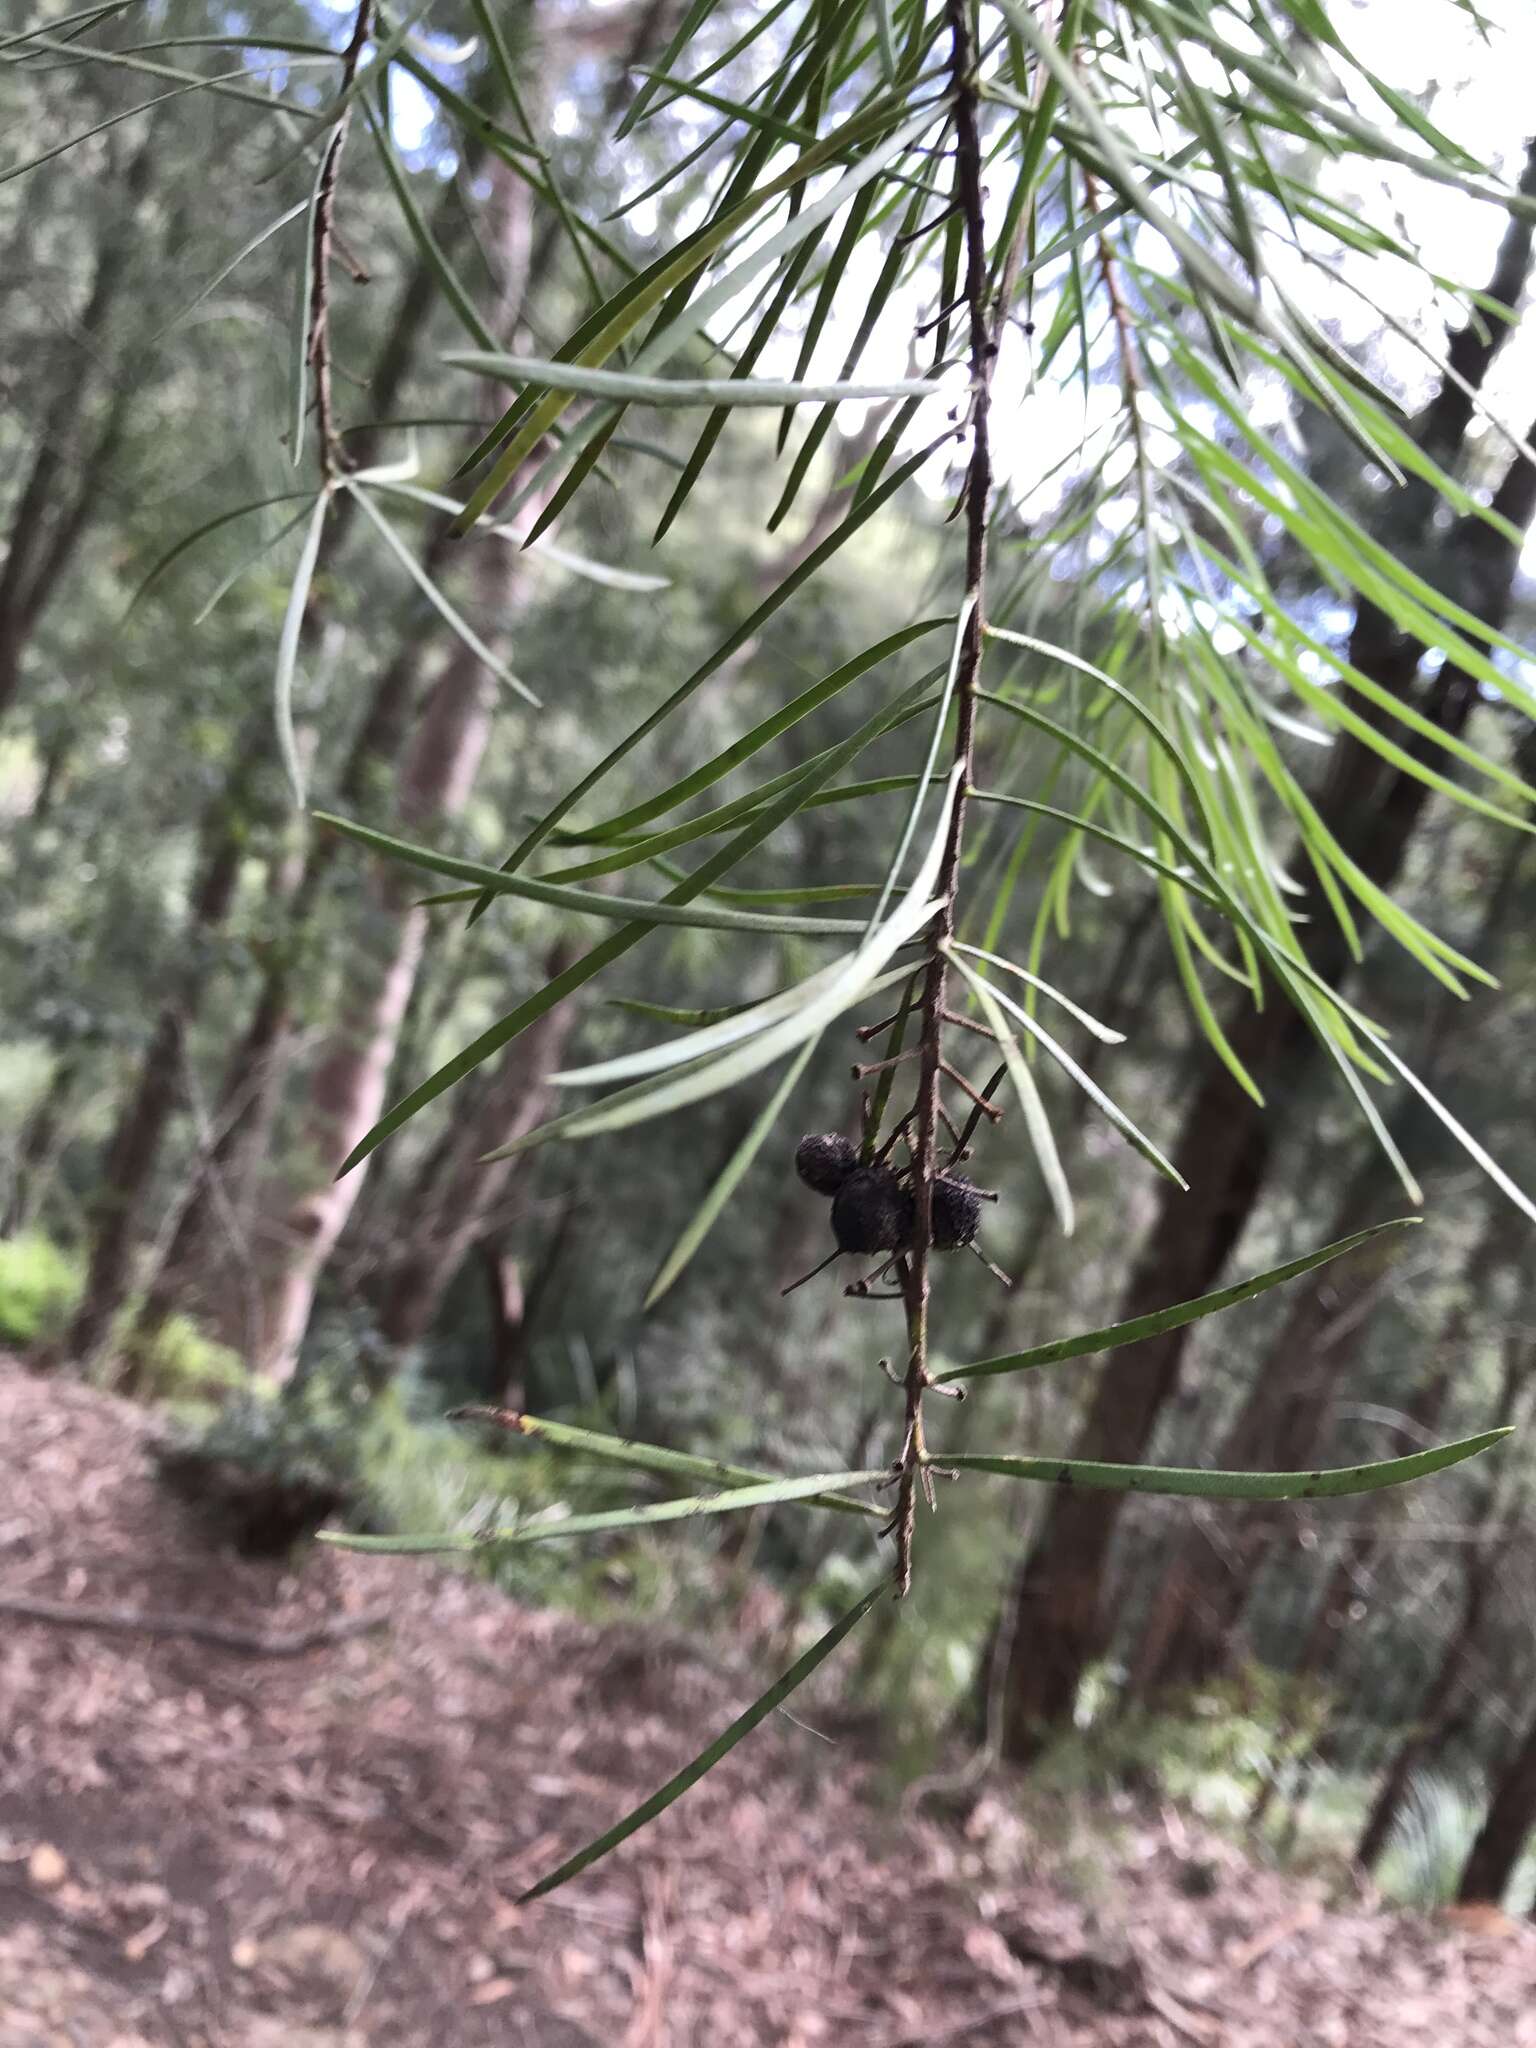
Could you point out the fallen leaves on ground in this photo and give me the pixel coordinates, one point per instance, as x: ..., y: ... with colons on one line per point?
x: 324, y: 1851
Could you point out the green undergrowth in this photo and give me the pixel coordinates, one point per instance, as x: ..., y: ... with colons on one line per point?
x: 180, y: 1366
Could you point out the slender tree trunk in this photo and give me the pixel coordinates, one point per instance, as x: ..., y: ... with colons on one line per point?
x: 133, y: 1151
x: 1372, y: 808
x: 38, y: 1144
x: 346, y: 1090
x: 449, y: 1206
x: 1503, y: 1835
x: 245, y: 1100
x: 51, y: 512
x: 1434, y: 1716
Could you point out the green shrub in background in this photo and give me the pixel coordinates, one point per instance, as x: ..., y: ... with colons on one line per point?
x: 181, y: 1366
x: 39, y: 1286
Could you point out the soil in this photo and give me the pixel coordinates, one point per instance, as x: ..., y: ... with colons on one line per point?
x: 323, y: 1848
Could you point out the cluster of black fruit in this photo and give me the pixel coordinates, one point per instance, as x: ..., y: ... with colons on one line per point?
x: 873, y: 1209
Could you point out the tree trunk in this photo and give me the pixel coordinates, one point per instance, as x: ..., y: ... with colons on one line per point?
x: 1372, y: 808
x: 346, y: 1090
x: 1502, y: 1837
x: 37, y: 1147
x: 1434, y: 1715
x: 132, y: 1153
x: 453, y: 1198
x: 48, y: 521
x: 245, y: 1100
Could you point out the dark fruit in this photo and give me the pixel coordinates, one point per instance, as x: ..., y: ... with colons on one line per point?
x: 956, y: 1213
x: 871, y: 1212
x: 825, y: 1162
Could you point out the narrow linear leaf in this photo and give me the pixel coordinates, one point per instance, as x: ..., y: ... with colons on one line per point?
x: 190, y: 540
x: 760, y: 826
x: 587, y: 902
x: 1332, y: 1483
x: 637, y: 1456
x: 1102, y: 1032
x: 740, y: 1500
x: 1074, y: 1072
x: 676, y: 391
x: 1036, y: 1122
x: 705, y: 1762
x: 288, y: 648
x: 744, y: 632
x: 705, y: 1216
x: 1113, y: 1335
x: 429, y: 590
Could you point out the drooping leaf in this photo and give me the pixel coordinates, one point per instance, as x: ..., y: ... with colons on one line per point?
x: 1113, y: 1335
x: 721, y: 1747
x: 1332, y: 1483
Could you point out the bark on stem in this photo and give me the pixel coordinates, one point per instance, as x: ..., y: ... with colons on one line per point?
x: 913, y: 1270
x: 318, y: 341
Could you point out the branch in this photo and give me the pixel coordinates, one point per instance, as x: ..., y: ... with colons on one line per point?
x: 913, y: 1269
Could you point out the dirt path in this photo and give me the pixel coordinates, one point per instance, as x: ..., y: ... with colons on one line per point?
x: 322, y: 1849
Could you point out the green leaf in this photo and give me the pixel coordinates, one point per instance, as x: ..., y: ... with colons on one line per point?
x: 770, y: 728
x: 456, y: 624
x: 1036, y: 1121
x: 706, y: 1215
x: 1461, y: 1134
x: 740, y: 1500
x: 782, y: 1021
x: 1089, y: 1086
x: 677, y: 391
x: 1330, y: 1484
x: 248, y: 562
x: 1142, y: 855
x: 930, y: 761
x: 637, y: 1456
x: 247, y: 249
x: 421, y: 234
x: 1113, y: 1335
x: 688, y: 1777
x: 748, y: 628
x: 288, y: 648
x: 759, y: 827
x: 587, y: 902
x: 190, y: 540
x: 610, y: 326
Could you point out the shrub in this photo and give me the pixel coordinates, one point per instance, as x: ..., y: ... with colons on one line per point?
x: 268, y: 1471
x: 178, y: 1364
x: 39, y: 1286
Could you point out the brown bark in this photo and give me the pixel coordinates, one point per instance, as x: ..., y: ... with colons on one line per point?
x: 1502, y: 1837
x: 49, y: 517
x: 245, y: 1100
x: 134, y: 1148
x: 448, y: 1209
x: 1190, y: 1634
x: 1372, y: 808
x: 347, y: 1086
x: 37, y: 1146
x: 1434, y: 1715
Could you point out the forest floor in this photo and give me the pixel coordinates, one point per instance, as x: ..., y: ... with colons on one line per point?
x: 322, y: 1849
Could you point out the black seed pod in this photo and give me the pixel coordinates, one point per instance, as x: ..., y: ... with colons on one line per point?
x: 825, y: 1162
x: 956, y: 1213
x: 871, y: 1212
